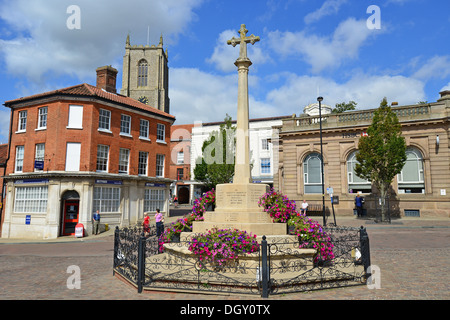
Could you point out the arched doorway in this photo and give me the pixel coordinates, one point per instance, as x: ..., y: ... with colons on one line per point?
x: 183, y: 194
x: 69, y: 212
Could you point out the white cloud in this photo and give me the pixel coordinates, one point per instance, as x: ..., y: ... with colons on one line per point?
x: 446, y: 87
x: 366, y: 90
x: 329, y: 7
x: 323, y: 52
x: 199, y: 96
x: 43, y: 47
x: 437, y: 67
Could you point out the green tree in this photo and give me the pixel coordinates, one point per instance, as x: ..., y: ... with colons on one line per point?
x: 216, y: 165
x: 382, y: 153
x: 342, y: 107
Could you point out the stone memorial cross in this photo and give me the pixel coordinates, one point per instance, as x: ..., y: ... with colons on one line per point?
x: 242, y: 172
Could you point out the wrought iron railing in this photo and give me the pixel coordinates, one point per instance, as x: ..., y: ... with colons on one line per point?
x: 279, y: 266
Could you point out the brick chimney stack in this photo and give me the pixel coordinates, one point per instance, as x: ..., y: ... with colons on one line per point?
x: 106, y: 78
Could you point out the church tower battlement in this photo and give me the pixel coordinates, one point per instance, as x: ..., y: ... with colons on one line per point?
x: 146, y: 74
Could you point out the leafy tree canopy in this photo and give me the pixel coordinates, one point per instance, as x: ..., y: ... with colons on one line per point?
x: 382, y: 153
x: 343, y: 106
x: 216, y: 165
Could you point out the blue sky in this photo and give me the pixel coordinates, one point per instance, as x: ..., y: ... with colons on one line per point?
x: 307, y: 48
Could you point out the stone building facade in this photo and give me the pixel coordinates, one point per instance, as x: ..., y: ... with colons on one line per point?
x: 145, y: 74
x: 421, y: 189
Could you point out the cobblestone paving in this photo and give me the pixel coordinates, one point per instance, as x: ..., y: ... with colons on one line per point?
x: 413, y: 259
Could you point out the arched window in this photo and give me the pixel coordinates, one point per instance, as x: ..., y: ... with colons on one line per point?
x: 312, y: 173
x: 142, y: 73
x: 355, y: 183
x: 410, y: 179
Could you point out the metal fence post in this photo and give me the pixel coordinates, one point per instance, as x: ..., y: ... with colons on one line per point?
x: 116, y: 249
x: 141, y: 263
x: 264, y: 276
x: 365, y: 249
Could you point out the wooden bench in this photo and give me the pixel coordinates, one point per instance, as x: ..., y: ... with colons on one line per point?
x: 316, y: 209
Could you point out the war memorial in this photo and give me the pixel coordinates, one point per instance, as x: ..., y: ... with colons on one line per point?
x: 273, y: 260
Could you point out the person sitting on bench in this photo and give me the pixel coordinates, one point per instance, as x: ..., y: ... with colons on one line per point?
x: 304, y: 207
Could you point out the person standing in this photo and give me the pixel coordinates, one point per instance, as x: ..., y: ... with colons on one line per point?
x: 358, y: 203
x: 159, y: 218
x: 146, y: 224
x: 95, y: 222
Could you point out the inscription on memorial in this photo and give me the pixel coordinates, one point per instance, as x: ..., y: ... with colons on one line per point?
x: 237, y: 198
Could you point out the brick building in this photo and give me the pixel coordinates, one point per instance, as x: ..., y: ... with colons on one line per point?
x: 82, y: 148
x: 180, y: 164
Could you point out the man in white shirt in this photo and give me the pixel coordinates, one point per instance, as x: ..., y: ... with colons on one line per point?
x: 304, y: 207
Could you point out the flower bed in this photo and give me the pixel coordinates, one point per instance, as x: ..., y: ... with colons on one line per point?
x: 212, y: 247
x: 309, y: 232
x: 277, y: 205
x: 200, y: 205
x: 218, y: 246
x: 184, y: 224
x: 311, y: 235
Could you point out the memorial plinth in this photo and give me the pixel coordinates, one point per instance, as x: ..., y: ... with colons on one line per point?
x: 237, y: 207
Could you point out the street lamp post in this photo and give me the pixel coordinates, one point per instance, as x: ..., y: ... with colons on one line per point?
x: 321, y: 160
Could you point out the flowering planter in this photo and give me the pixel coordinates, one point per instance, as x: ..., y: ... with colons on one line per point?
x: 305, y: 244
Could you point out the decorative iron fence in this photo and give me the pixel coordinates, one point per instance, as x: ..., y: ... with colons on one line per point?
x: 279, y: 266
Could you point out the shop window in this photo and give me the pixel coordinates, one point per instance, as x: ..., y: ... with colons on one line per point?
x: 106, y: 199
x: 31, y: 199
x: 154, y: 199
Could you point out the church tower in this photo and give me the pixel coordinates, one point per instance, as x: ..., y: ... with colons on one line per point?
x: 145, y: 74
